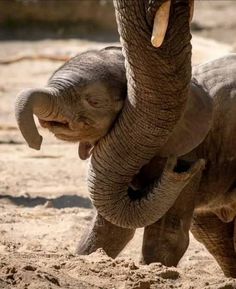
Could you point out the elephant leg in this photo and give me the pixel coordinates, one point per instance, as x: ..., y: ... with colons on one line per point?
x: 102, y: 234
x: 217, y: 237
x: 167, y: 240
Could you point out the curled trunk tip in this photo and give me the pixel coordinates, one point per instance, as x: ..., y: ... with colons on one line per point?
x: 29, y: 102
x: 123, y: 211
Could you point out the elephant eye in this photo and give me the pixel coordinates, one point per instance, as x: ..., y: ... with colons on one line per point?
x: 93, y: 101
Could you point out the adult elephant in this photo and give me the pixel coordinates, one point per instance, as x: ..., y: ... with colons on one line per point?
x: 158, y: 86
x: 153, y: 123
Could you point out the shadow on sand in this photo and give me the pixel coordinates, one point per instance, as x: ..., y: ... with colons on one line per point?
x: 69, y: 201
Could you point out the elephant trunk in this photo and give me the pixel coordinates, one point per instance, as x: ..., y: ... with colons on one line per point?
x: 142, y: 208
x: 28, y: 103
x: 158, y: 86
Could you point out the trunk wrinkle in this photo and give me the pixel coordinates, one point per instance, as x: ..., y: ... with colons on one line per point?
x: 158, y: 87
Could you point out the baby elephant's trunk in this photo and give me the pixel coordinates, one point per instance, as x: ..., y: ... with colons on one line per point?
x: 29, y: 102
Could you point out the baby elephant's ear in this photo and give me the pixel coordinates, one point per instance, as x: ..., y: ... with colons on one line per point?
x: 85, y: 150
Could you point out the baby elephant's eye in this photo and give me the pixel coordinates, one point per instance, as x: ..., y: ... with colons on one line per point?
x: 93, y: 101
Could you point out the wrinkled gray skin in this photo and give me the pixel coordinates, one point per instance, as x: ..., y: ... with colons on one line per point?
x: 212, y: 98
x: 150, y: 113
x: 151, y: 123
x: 211, y: 204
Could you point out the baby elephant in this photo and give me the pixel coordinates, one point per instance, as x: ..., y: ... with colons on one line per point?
x: 83, y: 97
x: 81, y: 102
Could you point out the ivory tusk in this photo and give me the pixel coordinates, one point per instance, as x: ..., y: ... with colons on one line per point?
x: 191, y: 4
x: 160, y: 24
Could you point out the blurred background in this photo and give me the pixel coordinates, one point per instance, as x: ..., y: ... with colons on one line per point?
x: 43, y: 195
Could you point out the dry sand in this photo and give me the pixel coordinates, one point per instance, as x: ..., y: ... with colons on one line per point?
x: 45, y: 206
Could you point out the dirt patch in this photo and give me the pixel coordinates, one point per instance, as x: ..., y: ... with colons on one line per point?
x: 94, y: 271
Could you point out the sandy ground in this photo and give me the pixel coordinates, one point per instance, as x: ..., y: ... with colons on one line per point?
x: 45, y: 206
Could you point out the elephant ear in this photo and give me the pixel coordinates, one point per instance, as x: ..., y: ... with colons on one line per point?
x: 85, y: 150
x: 194, y: 126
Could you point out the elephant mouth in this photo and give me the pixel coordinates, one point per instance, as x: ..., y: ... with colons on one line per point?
x: 76, y: 136
x: 86, y: 137
x: 52, y: 124
x: 62, y: 130
x: 68, y: 138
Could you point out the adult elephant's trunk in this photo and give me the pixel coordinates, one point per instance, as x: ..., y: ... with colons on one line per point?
x: 28, y: 103
x: 158, y: 84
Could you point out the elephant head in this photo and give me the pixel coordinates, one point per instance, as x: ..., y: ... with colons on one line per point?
x: 80, y: 102
x: 158, y: 86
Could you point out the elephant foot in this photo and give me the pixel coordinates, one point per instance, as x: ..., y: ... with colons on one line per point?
x: 102, y: 234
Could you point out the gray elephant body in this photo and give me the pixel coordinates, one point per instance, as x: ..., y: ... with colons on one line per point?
x: 212, y: 208
x: 217, y: 83
x: 157, y: 119
x: 205, y: 131
x: 210, y: 132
